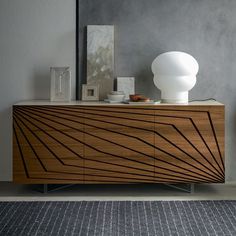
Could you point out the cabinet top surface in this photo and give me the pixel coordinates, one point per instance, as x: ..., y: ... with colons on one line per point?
x: 100, y: 103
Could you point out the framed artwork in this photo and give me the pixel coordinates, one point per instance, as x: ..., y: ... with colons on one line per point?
x: 60, y: 84
x: 127, y: 85
x: 94, y: 55
x: 100, y: 58
x: 90, y: 92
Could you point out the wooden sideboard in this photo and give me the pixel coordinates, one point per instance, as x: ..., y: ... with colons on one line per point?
x: 81, y: 142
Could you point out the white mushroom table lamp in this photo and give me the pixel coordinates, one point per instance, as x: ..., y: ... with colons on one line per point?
x: 174, y: 74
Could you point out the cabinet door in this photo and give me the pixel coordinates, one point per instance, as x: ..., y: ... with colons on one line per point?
x: 189, y: 144
x: 48, y: 144
x: 119, y: 144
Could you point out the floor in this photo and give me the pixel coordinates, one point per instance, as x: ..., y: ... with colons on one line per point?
x: 14, y: 192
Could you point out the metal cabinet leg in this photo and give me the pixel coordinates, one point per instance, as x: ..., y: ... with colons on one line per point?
x: 45, y: 188
x: 189, y: 189
x: 48, y: 188
x: 192, y: 188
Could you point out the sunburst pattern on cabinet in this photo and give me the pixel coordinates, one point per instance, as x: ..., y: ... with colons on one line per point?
x: 118, y: 144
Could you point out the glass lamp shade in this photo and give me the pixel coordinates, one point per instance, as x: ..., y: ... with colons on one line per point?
x: 175, y: 74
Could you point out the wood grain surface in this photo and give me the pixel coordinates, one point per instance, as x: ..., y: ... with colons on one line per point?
x: 118, y: 144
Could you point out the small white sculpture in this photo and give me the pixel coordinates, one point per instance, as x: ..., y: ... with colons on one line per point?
x: 60, y: 84
x: 175, y: 74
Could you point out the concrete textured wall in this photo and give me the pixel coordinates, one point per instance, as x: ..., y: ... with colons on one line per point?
x: 37, y: 34
x: 34, y: 35
x: 145, y: 28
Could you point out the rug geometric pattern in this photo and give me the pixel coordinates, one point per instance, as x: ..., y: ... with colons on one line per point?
x: 164, y: 218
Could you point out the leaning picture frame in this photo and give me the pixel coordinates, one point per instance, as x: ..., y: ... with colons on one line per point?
x: 90, y: 92
x: 60, y: 84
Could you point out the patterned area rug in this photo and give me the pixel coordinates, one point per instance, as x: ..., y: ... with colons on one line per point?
x: 118, y: 218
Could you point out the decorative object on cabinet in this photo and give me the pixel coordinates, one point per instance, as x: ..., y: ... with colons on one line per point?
x: 142, y: 103
x: 90, y: 92
x: 126, y: 84
x: 138, y: 98
x: 100, y: 143
x: 60, y: 84
x: 175, y: 74
x: 100, y: 58
x: 115, y: 96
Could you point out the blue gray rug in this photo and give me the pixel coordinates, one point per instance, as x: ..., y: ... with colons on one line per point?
x: 118, y: 218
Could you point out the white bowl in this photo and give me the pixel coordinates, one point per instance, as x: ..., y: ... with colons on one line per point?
x: 116, y: 97
x: 117, y: 93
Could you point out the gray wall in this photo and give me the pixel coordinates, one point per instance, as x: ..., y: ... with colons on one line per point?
x: 204, y: 28
x: 37, y: 34
x: 34, y: 35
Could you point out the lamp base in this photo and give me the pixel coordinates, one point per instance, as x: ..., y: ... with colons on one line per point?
x: 174, y: 98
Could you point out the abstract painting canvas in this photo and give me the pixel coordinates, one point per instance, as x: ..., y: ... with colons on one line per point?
x: 100, y: 58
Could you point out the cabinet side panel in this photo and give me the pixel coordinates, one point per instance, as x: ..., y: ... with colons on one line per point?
x: 217, y: 116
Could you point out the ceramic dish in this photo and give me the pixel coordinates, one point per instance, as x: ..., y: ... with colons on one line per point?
x: 116, y: 97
